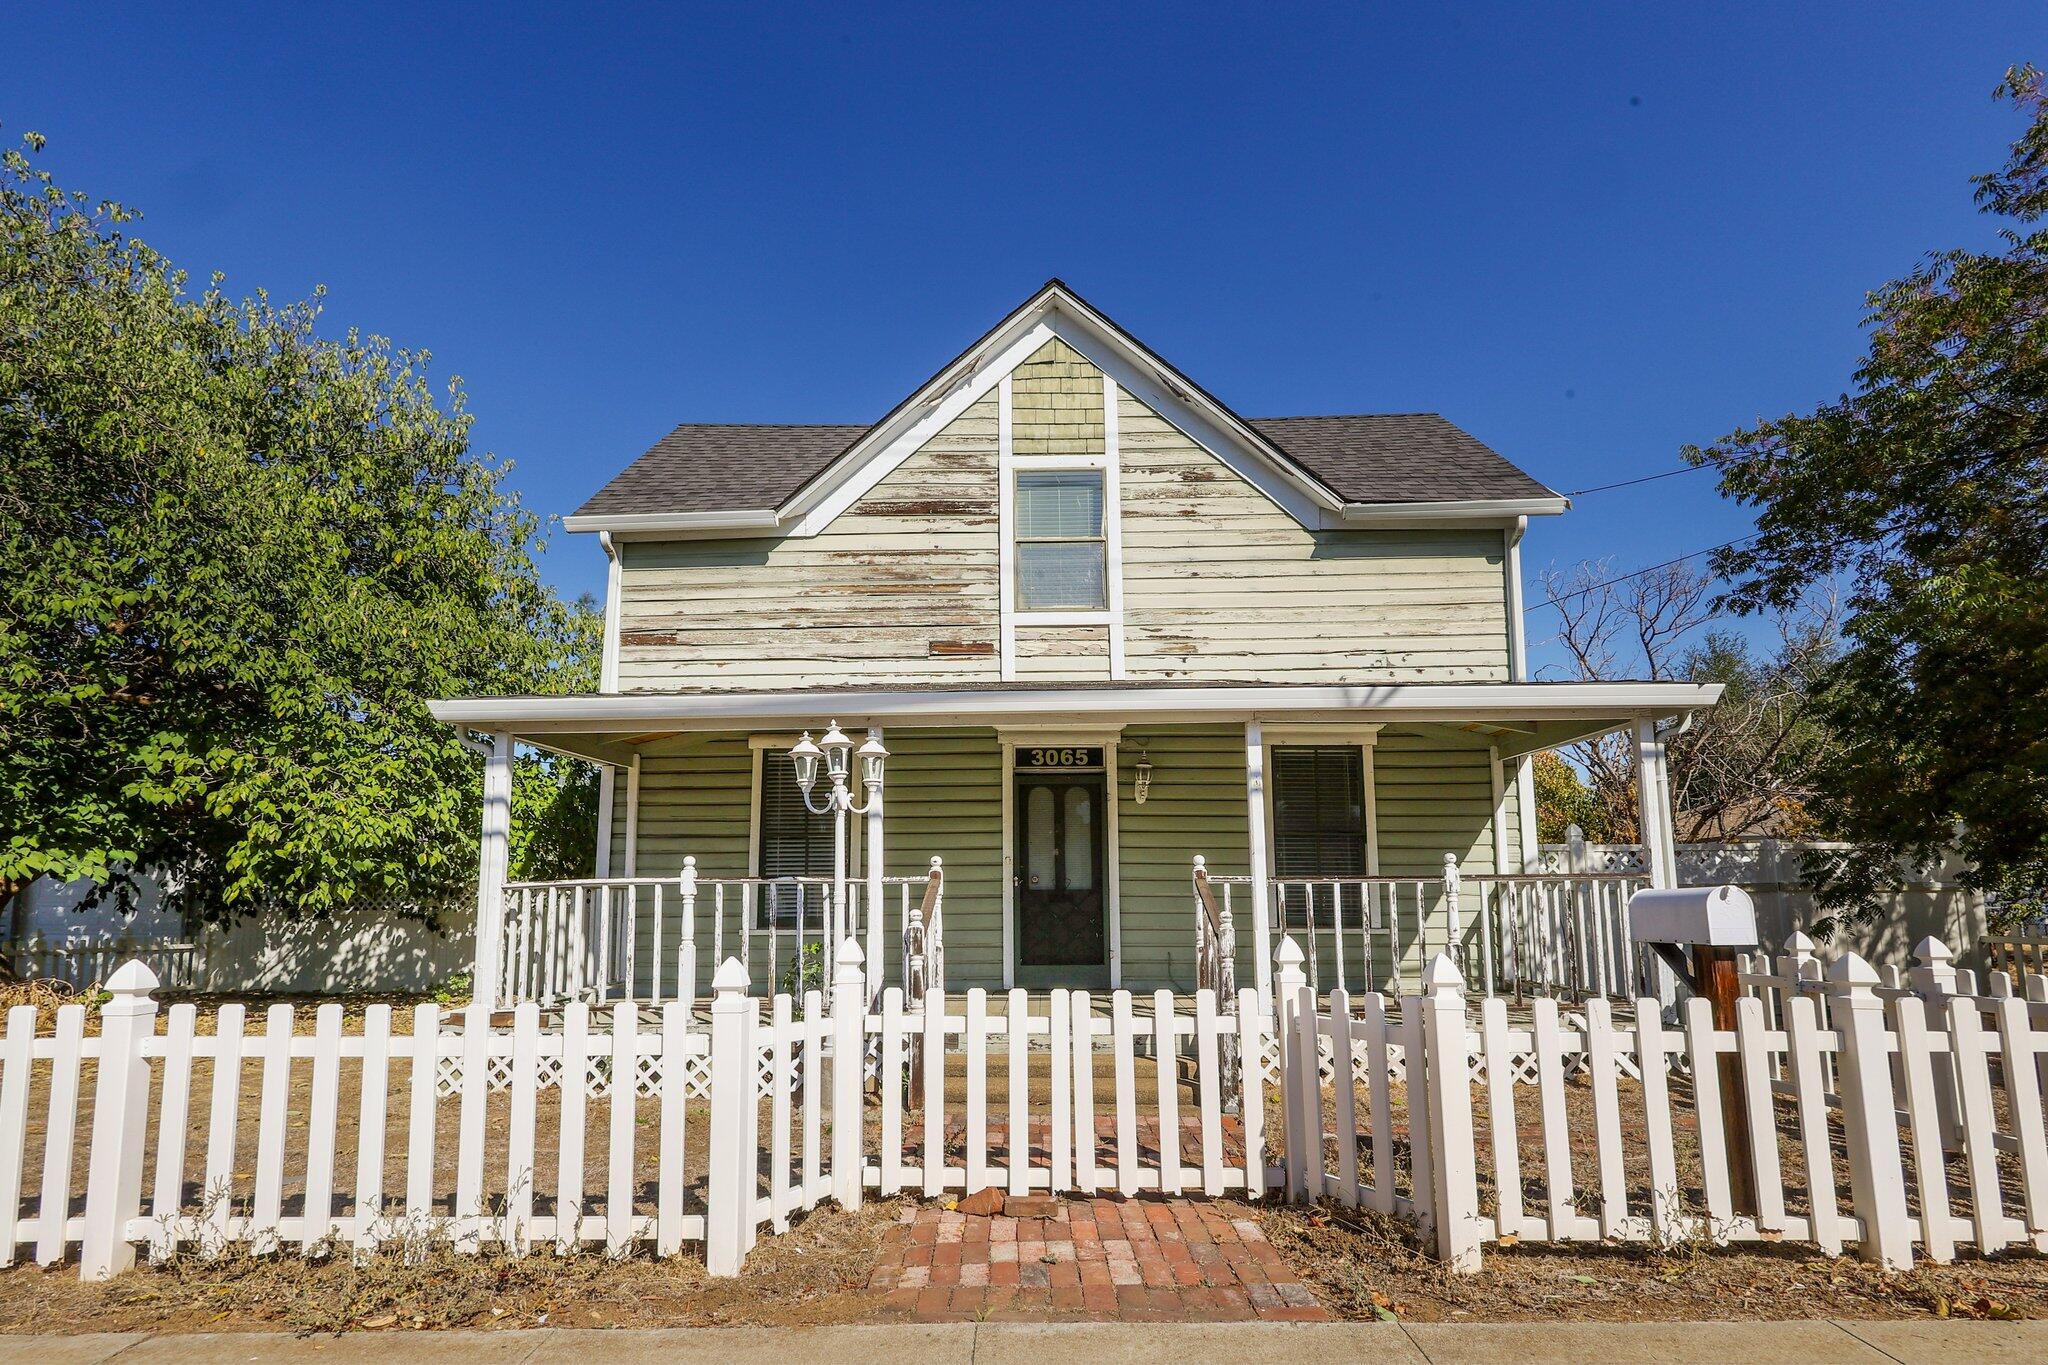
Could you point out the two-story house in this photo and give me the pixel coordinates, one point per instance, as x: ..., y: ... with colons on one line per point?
x: 1102, y: 626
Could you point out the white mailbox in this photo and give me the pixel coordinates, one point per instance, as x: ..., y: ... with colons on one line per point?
x: 1689, y: 916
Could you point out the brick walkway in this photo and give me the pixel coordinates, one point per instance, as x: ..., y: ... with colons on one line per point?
x: 1137, y: 1260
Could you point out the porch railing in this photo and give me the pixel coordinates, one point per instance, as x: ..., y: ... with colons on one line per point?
x: 1544, y: 934
x: 662, y: 938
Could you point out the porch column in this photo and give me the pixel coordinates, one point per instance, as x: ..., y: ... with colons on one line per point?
x: 1255, y: 822
x: 878, y: 971
x: 1653, y: 806
x: 1653, y: 824
x: 494, y: 852
x: 633, y: 817
x: 607, y: 790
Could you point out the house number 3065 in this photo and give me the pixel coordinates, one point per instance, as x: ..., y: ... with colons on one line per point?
x: 1059, y: 758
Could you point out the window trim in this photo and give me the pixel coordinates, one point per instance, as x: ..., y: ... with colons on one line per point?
x: 1008, y: 465
x: 1300, y: 736
x: 1366, y: 737
x: 1018, y: 540
x: 759, y: 745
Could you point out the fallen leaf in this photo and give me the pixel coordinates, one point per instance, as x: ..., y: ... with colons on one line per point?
x: 381, y: 1320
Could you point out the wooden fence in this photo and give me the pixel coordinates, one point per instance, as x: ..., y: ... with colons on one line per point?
x: 1902, y: 1116
x: 615, y: 1127
x: 1879, y: 1118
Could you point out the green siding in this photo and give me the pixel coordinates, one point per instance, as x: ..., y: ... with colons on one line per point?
x: 1432, y: 794
x: 1196, y: 806
x: 945, y: 798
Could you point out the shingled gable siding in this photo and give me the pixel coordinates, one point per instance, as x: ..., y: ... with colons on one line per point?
x: 902, y: 588
x: 1220, y: 583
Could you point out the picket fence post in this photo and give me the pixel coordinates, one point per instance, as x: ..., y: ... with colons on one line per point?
x: 1447, y: 1078
x: 729, y: 1188
x: 1933, y: 979
x: 1877, y: 1172
x: 113, y: 1190
x: 1300, y: 1074
x: 849, y: 1050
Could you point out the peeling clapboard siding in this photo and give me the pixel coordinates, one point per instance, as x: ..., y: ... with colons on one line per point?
x: 1220, y: 583
x: 900, y: 589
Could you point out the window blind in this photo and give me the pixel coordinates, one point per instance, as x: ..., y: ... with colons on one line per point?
x: 794, y: 843
x: 1318, y: 822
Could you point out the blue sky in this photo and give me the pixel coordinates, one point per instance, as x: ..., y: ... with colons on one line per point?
x: 1588, y: 234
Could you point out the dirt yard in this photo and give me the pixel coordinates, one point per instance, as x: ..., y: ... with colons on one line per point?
x: 815, y: 1274
x: 1364, y: 1265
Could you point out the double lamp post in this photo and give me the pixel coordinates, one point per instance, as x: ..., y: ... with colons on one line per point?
x: 836, y: 750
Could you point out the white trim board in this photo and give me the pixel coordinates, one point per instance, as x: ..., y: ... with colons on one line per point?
x: 1052, y: 704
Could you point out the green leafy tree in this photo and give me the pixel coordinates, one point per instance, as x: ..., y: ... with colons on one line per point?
x: 1563, y: 799
x: 236, y: 559
x: 1924, y: 491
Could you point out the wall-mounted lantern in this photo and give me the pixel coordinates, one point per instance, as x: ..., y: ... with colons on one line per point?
x: 1142, y: 785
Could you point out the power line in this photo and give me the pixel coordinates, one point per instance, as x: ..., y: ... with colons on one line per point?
x: 1647, y: 478
x: 1623, y: 578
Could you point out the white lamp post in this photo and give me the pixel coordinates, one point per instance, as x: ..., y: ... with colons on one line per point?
x: 836, y: 749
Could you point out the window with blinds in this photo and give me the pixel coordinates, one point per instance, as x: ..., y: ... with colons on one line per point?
x: 1062, y: 558
x: 794, y: 843
x: 1318, y: 825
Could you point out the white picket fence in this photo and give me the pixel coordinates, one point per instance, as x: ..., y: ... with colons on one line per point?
x: 1901, y: 1116
x: 1911, y: 1084
x: 614, y: 1127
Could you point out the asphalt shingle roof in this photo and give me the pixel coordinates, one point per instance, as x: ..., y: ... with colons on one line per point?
x: 1366, y: 458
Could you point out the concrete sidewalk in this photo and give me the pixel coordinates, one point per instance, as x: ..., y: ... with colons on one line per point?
x: 1764, y: 1343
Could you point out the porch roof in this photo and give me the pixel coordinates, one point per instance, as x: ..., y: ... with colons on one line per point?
x: 1524, y: 716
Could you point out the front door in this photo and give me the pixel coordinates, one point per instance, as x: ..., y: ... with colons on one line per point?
x: 1059, y: 871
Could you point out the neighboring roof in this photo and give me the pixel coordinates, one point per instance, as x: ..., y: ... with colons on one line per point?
x: 1362, y: 458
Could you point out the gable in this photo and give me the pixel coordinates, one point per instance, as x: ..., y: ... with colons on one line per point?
x: 1321, y: 471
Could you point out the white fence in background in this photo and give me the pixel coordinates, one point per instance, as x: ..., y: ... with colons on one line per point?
x: 1917, y: 1086
x: 1917, y: 901
x: 85, y: 963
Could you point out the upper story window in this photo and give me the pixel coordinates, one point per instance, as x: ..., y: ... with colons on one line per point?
x: 1062, y: 557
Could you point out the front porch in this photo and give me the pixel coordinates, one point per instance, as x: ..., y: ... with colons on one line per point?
x: 1045, y: 837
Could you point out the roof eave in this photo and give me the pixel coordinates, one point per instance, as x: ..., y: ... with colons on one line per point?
x: 661, y: 523
x: 640, y: 711
x: 1459, y: 512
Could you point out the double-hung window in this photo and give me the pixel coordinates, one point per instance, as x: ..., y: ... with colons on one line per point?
x: 1319, y: 828
x: 793, y: 843
x: 1062, y: 556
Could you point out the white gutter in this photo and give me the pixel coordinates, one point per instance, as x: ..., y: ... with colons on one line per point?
x: 1467, y: 509
x: 702, y: 711
x: 608, y: 660
x: 649, y: 522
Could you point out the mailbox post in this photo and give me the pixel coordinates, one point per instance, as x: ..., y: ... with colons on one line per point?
x: 1714, y: 923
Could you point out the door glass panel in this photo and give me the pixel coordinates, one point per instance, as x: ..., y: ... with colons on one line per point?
x: 1038, y: 835
x: 1080, y: 834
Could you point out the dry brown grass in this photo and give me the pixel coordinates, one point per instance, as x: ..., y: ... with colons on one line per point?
x: 1366, y: 1265
x: 813, y: 1274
